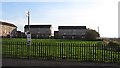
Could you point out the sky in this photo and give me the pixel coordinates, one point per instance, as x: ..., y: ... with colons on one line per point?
x: 89, y: 13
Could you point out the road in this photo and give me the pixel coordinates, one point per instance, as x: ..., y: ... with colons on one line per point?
x: 35, y: 62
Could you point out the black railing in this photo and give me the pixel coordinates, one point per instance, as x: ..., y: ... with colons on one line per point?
x: 62, y: 50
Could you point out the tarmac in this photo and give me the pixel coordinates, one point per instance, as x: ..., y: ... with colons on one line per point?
x: 39, y: 63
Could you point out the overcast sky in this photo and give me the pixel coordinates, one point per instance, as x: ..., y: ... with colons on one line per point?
x: 89, y: 13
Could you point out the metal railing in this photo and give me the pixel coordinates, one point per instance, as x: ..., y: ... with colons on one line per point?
x: 62, y: 50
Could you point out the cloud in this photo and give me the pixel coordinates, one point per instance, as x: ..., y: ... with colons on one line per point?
x: 90, y: 13
x: 103, y: 15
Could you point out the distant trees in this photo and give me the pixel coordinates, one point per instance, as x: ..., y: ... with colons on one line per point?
x: 91, y: 35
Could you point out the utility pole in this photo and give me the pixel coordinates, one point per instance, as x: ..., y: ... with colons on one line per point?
x: 28, y: 16
x: 98, y: 32
x: 98, y: 29
x: 28, y: 35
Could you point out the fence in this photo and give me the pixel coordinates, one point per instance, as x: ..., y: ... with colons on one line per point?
x: 95, y: 52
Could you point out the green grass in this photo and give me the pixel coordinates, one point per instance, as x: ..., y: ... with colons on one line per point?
x: 59, y: 49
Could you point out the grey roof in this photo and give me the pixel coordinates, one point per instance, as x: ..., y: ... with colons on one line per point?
x: 71, y: 27
x: 38, y: 26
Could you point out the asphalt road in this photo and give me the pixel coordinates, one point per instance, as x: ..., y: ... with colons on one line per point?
x: 7, y: 62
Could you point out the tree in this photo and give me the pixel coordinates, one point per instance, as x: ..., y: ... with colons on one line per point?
x: 91, y: 35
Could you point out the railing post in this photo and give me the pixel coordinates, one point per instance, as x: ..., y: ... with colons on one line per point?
x: 27, y: 51
x: 39, y: 48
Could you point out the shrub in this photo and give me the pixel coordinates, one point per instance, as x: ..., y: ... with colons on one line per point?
x: 113, y: 46
x: 91, y: 35
x: 101, y: 45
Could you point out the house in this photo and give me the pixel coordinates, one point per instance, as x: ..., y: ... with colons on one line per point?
x: 70, y: 32
x: 7, y: 29
x: 39, y: 31
x: 20, y: 34
x: 56, y: 34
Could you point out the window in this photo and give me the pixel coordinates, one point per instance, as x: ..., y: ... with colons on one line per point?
x: 63, y: 37
x: 37, y: 36
x: 64, y: 33
x: 5, y: 31
x: 73, y: 33
x: 73, y: 37
x: 74, y: 30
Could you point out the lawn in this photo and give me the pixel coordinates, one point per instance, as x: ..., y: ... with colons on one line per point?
x: 59, y: 49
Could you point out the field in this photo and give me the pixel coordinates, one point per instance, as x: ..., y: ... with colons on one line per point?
x: 57, y: 49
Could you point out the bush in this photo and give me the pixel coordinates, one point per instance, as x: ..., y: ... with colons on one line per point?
x: 91, y: 35
x: 101, y: 45
x: 113, y: 46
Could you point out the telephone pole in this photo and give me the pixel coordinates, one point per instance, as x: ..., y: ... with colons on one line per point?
x: 98, y: 29
x: 28, y: 35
